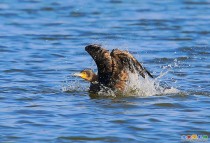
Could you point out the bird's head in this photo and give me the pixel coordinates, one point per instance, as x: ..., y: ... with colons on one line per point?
x: 87, y: 74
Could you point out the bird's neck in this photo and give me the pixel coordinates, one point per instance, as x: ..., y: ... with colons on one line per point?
x: 94, y: 78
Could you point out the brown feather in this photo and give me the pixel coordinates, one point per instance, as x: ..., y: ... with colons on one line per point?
x: 113, y: 67
x: 103, y: 61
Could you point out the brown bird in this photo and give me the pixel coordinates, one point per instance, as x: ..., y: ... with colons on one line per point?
x: 113, y: 69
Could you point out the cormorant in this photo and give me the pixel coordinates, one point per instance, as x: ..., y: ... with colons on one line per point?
x: 113, y: 69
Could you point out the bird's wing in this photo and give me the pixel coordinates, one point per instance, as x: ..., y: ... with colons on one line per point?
x: 125, y: 61
x: 103, y: 61
x: 113, y: 68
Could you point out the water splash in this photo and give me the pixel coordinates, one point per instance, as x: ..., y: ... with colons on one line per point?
x: 139, y: 86
x: 135, y: 86
x: 73, y: 85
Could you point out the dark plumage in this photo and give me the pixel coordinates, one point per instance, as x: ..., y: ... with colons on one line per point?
x: 112, y: 68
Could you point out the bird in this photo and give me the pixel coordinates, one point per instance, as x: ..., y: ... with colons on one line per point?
x: 113, y: 67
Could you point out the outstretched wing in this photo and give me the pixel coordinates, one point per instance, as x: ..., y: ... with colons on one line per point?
x: 125, y: 61
x: 103, y: 61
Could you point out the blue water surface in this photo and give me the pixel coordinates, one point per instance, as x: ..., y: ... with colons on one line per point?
x: 42, y: 45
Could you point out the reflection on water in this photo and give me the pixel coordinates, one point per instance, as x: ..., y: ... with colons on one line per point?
x: 42, y: 44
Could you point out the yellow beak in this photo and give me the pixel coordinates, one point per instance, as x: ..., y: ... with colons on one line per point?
x: 77, y: 74
x: 82, y: 75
